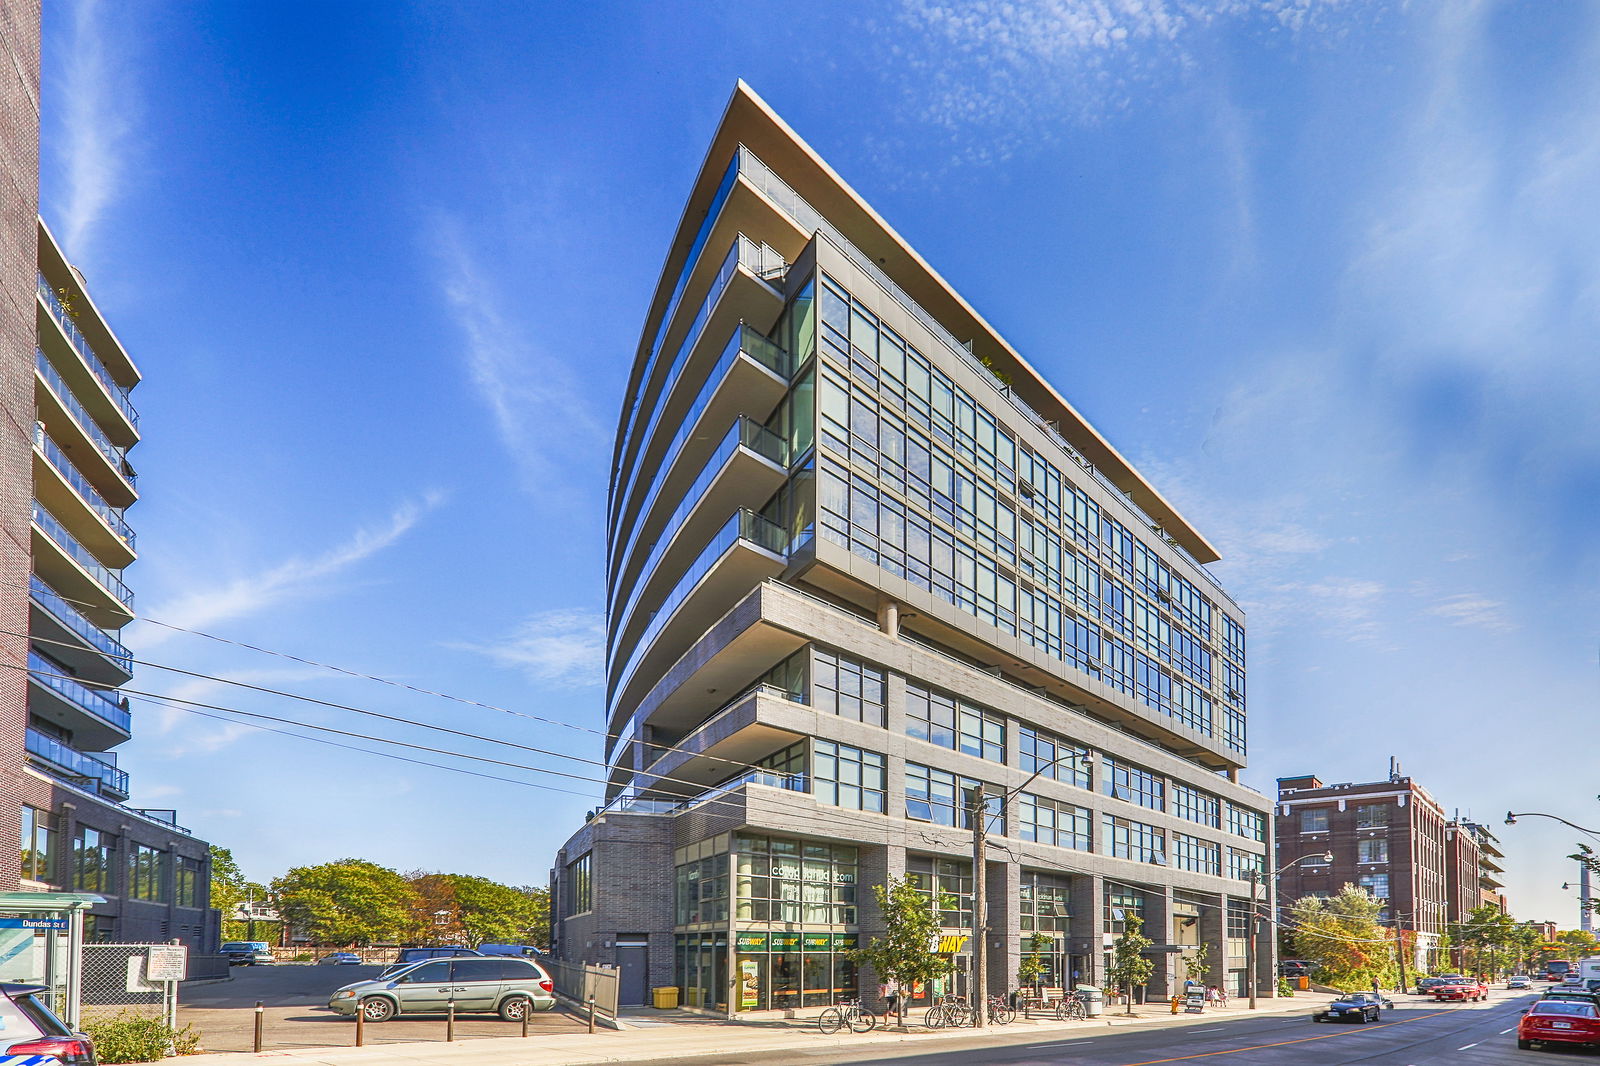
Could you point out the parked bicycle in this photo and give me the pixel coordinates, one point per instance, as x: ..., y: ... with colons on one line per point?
x: 846, y: 1012
x: 948, y: 1012
x: 1070, y: 1008
x: 1001, y: 1011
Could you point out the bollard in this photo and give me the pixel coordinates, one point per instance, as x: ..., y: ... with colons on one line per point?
x: 260, y: 1018
x: 526, y: 1010
x: 591, y: 1012
x: 361, y: 1025
x: 450, y: 1021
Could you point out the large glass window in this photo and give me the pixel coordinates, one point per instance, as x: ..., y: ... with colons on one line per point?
x: 1247, y: 823
x: 1240, y: 863
x: 580, y: 889
x: 1314, y: 820
x: 1196, y: 806
x: 948, y: 885
x: 1375, y: 885
x: 186, y: 881
x: 1053, y: 822
x: 1053, y: 757
x: 1135, y: 785
x: 941, y: 797
x: 1372, y: 815
x: 38, y: 845
x: 1046, y: 903
x: 1126, y: 839
x: 1196, y: 855
x: 147, y: 869
x: 795, y: 881
x: 952, y: 723
x: 94, y: 861
x: 849, y: 688
x: 844, y: 776
x: 1375, y: 850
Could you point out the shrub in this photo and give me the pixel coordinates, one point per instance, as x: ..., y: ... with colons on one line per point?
x: 130, y: 1038
x: 1284, y: 987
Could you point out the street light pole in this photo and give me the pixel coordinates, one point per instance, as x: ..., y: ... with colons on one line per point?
x: 1585, y: 913
x: 1255, y: 882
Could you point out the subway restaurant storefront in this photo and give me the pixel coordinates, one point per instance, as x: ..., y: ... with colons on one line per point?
x: 781, y: 970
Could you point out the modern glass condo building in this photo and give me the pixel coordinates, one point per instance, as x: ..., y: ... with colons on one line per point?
x: 863, y: 558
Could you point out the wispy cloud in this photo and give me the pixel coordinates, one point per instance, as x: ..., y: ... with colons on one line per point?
x: 540, y: 410
x: 1470, y: 609
x: 294, y: 578
x: 97, y: 109
x: 564, y: 648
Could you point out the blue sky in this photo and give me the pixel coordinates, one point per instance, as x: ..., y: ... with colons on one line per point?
x: 1329, y: 274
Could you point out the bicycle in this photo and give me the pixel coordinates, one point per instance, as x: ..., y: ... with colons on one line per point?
x: 846, y: 1013
x: 949, y: 1011
x: 1071, y: 1008
x: 1001, y: 1012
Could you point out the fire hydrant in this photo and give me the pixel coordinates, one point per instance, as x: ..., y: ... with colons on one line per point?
x: 1177, y: 1001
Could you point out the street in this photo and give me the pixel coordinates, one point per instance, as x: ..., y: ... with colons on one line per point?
x: 1415, y: 1033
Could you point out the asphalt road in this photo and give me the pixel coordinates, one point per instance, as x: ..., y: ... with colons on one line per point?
x: 1415, y: 1033
x: 295, y: 1014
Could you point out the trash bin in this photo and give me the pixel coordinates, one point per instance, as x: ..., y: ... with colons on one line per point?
x: 1094, y: 1001
x: 1303, y: 983
x: 666, y: 998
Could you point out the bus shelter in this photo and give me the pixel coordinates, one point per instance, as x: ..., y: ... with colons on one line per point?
x: 41, y: 943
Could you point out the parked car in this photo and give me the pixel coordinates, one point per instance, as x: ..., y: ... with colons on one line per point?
x: 31, y: 1028
x: 412, y: 956
x: 1461, y: 989
x: 1559, y: 1021
x: 1575, y: 995
x: 505, y: 986
x: 1519, y: 980
x: 1353, y: 1006
x: 247, y: 952
x: 516, y: 951
x: 1294, y: 968
x: 1426, y: 985
x: 340, y: 958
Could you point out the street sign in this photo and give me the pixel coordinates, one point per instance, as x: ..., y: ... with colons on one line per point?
x: 58, y: 924
x: 167, y: 962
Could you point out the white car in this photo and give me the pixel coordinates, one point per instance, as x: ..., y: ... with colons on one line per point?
x: 1519, y: 980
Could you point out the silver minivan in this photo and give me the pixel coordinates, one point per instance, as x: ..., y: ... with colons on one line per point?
x: 508, y: 987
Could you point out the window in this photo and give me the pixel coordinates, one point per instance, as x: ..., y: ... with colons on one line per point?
x: 1374, y: 850
x: 94, y: 861
x: 952, y: 723
x: 1125, y: 839
x: 147, y: 873
x: 783, y: 880
x: 1372, y: 815
x: 431, y: 973
x: 1240, y: 863
x: 1135, y: 785
x: 1196, y: 806
x: 1038, y: 750
x: 186, y: 881
x: 702, y: 882
x: 849, y: 689
x: 847, y: 777
x: 580, y: 889
x: 1375, y: 885
x: 1247, y: 823
x: 1119, y: 905
x: 942, y: 798
x: 1196, y: 855
x: 1062, y: 825
x: 38, y: 844
x: 1314, y: 820
x: 948, y: 885
x: 1046, y: 903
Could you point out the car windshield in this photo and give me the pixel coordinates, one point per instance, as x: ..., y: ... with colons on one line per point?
x: 1576, y: 1010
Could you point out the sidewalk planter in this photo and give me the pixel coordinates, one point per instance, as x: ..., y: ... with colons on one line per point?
x: 666, y: 997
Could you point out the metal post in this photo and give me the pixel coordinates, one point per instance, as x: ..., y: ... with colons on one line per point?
x: 1400, y: 949
x: 1250, y: 974
x: 260, y: 1019
x: 526, y: 1010
x: 591, y: 1012
x: 980, y: 975
x: 450, y: 1020
x: 361, y: 1026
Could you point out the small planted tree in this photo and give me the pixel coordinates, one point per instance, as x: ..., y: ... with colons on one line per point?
x: 905, y: 954
x: 1196, y: 964
x: 1032, y: 966
x: 1129, y: 967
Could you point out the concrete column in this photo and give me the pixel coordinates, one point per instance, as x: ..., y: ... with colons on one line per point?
x: 1213, y: 933
x: 875, y: 866
x: 1086, y: 936
x: 1004, y: 886
x: 889, y: 617
x: 1158, y: 927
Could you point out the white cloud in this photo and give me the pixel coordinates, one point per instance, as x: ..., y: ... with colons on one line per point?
x: 561, y: 647
x: 294, y: 578
x: 97, y: 121
x: 1469, y: 609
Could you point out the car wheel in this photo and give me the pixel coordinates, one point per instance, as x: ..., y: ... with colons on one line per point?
x: 1524, y: 1045
x: 377, y: 1009
x: 515, y: 1008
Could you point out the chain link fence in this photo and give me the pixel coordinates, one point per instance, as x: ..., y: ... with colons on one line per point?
x: 115, y: 982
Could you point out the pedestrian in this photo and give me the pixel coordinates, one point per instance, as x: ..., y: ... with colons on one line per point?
x: 891, y: 1001
x: 1375, y: 987
x: 1211, y: 996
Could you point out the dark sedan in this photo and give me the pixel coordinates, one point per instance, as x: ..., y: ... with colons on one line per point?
x: 1354, y: 1007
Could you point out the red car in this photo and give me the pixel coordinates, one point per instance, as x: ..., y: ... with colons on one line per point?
x: 1559, y: 1021
x: 1463, y: 989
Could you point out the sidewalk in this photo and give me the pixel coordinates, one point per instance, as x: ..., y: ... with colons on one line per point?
x: 675, y: 1034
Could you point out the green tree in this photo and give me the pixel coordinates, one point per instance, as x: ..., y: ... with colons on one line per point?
x: 904, y: 955
x: 476, y: 910
x: 1197, y: 965
x: 229, y: 891
x: 1342, y: 936
x: 1129, y: 966
x: 539, y: 927
x: 1486, y: 938
x: 1032, y: 966
x: 350, y: 901
x: 1577, y: 944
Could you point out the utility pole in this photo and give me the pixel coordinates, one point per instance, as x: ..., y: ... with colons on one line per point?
x: 250, y: 914
x: 980, y: 975
x: 1585, y: 914
x: 1400, y: 950
x: 1250, y: 974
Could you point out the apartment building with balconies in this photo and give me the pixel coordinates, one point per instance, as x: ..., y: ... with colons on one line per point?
x: 65, y: 385
x: 863, y: 559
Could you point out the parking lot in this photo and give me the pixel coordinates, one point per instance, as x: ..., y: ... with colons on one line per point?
x: 295, y: 999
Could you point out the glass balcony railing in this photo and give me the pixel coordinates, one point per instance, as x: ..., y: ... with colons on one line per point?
x: 758, y: 259
x: 75, y: 763
x: 68, y: 615
x: 117, y: 457
x: 80, y: 343
x: 109, y: 579
x: 744, y: 433
x: 87, y: 492
x: 720, y: 794
x: 89, y: 700
x: 744, y: 525
x: 744, y: 341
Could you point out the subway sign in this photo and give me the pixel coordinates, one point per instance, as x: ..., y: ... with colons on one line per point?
x: 951, y: 944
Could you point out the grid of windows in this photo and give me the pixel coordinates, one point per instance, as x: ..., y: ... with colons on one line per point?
x: 1247, y: 823
x: 848, y: 688
x: 947, y: 883
x: 941, y: 797
x: 1196, y: 855
x: 94, y: 861
x: 186, y: 881
x: 1053, y: 757
x: 38, y: 844
x: 1314, y: 820
x: 579, y: 886
x: 1240, y: 863
x: 844, y: 776
x: 1062, y: 825
x: 1372, y: 815
x: 1046, y: 903
x: 952, y: 723
x: 1196, y: 806
x: 1120, y: 903
x: 930, y: 486
x: 147, y: 869
x: 1375, y: 885
x: 1123, y: 838
x: 796, y: 881
x: 1135, y: 785
x: 1375, y: 850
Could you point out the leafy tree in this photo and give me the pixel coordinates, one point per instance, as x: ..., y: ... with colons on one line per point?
x: 1486, y: 938
x: 1032, y: 966
x: 1343, y: 937
x: 539, y: 927
x: 1577, y: 944
x: 350, y: 901
x: 1129, y: 967
x: 904, y: 955
x: 476, y: 910
x: 1196, y: 965
x: 230, y: 890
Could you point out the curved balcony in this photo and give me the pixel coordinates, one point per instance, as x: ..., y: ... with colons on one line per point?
x: 748, y: 465
x: 90, y: 714
x: 752, y: 374
x: 80, y: 768
x: 73, y: 571
x: 118, y: 409
x: 80, y: 435
x: 89, y: 650
x: 64, y: 489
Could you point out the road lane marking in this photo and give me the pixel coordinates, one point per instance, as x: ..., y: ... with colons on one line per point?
x: 1070, y: 1043
x: 1465, y: 1048
x: 1282, y: 1043
x: 1503, y: 1032
x: 1218, y: 1029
